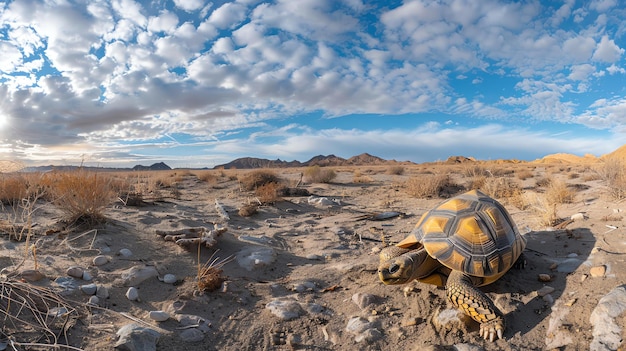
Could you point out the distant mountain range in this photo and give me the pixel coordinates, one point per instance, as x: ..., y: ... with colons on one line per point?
x: 320, y: 160
x: 154, y: 167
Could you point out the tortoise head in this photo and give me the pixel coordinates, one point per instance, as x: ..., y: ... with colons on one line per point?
x: 403, y: 268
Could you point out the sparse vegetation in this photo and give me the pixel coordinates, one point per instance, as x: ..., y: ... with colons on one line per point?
x: 82, y: 195
x: 428, y: 185
x: 395, y: 170
x: 613, y: 172
x: 257, y: 178
x: 268, y: 193
x: 209, y: 276
x: 317, y: 174
x: 558, y: 192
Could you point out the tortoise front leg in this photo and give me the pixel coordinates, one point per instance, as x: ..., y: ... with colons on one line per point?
x: 462, y: 292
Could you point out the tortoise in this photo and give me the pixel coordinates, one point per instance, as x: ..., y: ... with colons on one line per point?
x: 464, y: 243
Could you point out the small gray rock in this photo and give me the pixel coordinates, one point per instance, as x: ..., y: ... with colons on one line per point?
x: 607, y: 334
x: 125, y: 253
x: 285, y: 308
x: 191, y: 335
x: 94, y: 300
x: 132, y: 294
x: 357, y: 325
x: 363, y: 300
x: 75, y: 272
x: 100, y: 260
x: 169, y: 279
x: 102, y: 292
x: 133, y: 337
x: 89, y: 289
x: 87, y: 276
x: 253, y: 256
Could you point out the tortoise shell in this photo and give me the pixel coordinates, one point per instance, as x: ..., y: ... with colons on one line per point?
x: 472, y: 233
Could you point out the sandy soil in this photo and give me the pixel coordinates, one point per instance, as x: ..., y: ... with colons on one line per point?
x: 324, y: 255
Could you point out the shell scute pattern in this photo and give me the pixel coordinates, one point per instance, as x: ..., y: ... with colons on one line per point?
x: 472, y: 233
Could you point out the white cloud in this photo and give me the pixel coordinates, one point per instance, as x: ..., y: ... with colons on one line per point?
x: 607, y: 51
x: 228, y: 15
x: 581, y: 72
x: 189, y: 5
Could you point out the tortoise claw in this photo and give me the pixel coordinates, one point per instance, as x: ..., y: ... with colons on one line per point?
x: 492, y: 330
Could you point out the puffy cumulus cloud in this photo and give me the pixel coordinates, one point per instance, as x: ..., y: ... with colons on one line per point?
x: 605, y: 114
x: 607, y: 51
x: 189, y: 5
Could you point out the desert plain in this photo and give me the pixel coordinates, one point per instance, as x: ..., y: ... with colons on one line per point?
x: 293, y: 259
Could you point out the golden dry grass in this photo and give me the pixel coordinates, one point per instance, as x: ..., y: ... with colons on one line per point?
x: 430, y: 185
x: 257, y: 178
x: 317, y: 174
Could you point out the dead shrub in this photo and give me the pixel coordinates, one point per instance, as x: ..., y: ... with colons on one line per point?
x: 209, y: 276
x: 558, y: 192
x: 362, y: 179
x: 255, y: 179
x: 473, y: 171
x: 428, y: 185
x: 81, y: 194
x: 207, y: 176
x: 317, y: 174
x: 13, y: 189
x: 501, y: 187
x: 248, y: 210
x: 523, y: 174
x: 268, y: 193
x: 613, y: 172
x: 395, y: 170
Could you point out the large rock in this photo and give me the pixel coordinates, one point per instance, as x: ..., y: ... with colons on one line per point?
x: 137, y: 274
x: 133, y: 337
x: 607, y: 335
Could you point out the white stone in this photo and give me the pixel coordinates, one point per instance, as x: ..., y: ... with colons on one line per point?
x: 100, y: 260
x: 578, y: 216
x: 169, y: 279
x: 607, y: 334
x: 159, y: 316
x: 252, y: 257
x: 137, y: 274
x: 285, y: 308
x: 132, y: 294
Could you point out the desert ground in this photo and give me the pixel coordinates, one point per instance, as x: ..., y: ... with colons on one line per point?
x: 293, y: 271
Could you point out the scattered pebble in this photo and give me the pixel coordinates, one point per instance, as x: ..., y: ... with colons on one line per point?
x: 548, y: 299
x: 87, y: 276
x: 572, y: 255
x: 169, y: 279
x: 285, y: 308
x: 94, y: 300
x: 75, y: 272
x: 578, y: 216
x: 597, y: 271
x: 102, y: 292
x: 363, y: 300
x: 89, y: 289
x: 137, y: 274
x: 304, y: 286
x: 363, y: 329
x: 545, y: 290
x: 132, y: 294
x: 545, y: 277
x: 67, y: 283
x: 158, y: 316
x: 125, y: 253
x: 100, y: 260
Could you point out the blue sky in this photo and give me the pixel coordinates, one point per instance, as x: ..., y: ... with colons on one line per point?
x: 196, y: 84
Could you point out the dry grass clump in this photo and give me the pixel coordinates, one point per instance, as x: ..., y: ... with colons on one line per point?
x: 317, y: 174
x: 13, y: 188
x: 613, y: 172
x: 207, y: 176
x: 268, y: 193
x: 557, y: 192
x: 473, y: 171
x: 501, y: 187
x: 82, y: 195
x: 523, y: 174
x: 255, y: 179
x: 395, y: 170
x: 545, y: 210
x: 248, y: 210
x: 209, y: 276
x: 431, y: 185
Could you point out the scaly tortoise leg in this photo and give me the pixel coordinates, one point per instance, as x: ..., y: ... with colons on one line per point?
x: 462, y: 292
